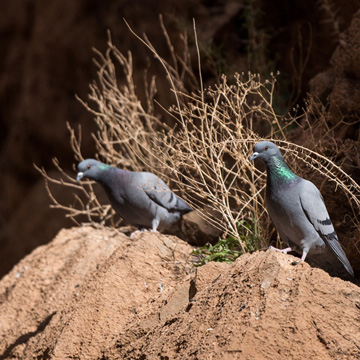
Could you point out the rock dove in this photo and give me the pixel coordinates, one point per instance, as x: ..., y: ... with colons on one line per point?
x: 141, y: 198
x: 298, y: 212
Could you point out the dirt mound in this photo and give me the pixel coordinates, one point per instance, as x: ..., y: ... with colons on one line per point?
x: 69, y: 298
x: 98, y: 294
x: 261, y: 307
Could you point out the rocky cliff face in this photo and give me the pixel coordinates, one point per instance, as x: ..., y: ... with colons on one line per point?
x: 95, y: 293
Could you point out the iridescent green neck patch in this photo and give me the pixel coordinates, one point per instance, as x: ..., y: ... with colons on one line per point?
x: 104, y: 167
x: 279, y: 169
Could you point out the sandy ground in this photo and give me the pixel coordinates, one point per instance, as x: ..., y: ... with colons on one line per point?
x: 96, y: 294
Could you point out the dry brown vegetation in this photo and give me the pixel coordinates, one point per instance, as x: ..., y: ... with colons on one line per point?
x: 204, y: 155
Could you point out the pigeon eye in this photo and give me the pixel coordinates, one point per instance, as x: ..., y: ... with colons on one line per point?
x: 265, y: 148
x: 89, y: 167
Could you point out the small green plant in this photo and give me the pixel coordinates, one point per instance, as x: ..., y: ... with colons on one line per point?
x: 225, y: 250
x: 228, y: 250
x: 250, y: 235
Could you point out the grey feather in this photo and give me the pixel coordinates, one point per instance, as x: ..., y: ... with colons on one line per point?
x: 142, y: 199
x: 315, y: 210
x: 160, y: 193
x: 299, y: 214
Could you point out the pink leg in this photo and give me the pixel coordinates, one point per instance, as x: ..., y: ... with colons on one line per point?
x: 155, y: 224
x: 284, y: 251
x: 303, y: 257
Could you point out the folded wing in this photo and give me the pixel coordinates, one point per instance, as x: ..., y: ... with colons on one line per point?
x: 160, y: 193
x: 315, y: 210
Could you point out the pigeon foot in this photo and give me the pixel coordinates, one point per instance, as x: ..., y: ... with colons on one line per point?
x: 303, y: 257
x: 137, y: 232
x: 301, y: 260
x: 284, y: 251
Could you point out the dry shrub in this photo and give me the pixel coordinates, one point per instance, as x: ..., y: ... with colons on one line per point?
x: 204, y: 157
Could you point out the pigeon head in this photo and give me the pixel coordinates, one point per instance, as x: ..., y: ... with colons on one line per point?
x: 91, y: 169
x: 276, y: 166
x: 265, y: 150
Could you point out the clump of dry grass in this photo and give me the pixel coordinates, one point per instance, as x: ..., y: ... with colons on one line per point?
x: 204, y: 157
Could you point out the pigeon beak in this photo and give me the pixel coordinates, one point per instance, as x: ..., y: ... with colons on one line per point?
x: 79, y: 176
x: 254, y: 156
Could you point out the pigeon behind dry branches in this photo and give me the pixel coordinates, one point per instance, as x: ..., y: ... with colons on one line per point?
x: 299, y: 214
x: 141, y: 198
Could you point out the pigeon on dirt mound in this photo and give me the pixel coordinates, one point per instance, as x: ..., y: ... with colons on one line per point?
x: 141, y: 198
x: 298, y: 212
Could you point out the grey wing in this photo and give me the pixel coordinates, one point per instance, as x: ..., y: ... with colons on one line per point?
x: 160, y: 193
x: 315, y: 210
